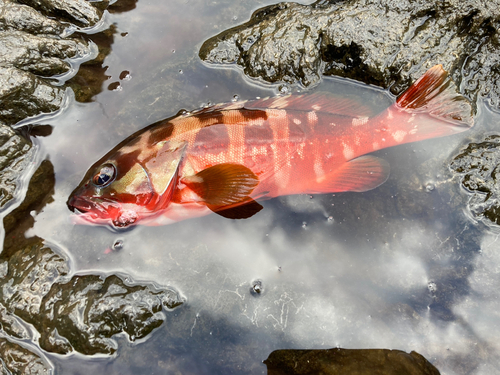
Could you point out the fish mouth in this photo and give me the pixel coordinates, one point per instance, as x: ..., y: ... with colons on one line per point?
x: 92, y: 208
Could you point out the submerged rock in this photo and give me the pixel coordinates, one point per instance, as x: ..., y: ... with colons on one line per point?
x: 14, y: 359
x: 387, y: 43
x: 84, y: 312
x: 347, y: 361
x: 479, y: 166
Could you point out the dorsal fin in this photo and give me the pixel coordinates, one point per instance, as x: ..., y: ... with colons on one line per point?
x: 318, y: 102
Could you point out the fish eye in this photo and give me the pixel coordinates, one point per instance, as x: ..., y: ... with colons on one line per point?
x: 105, y: 176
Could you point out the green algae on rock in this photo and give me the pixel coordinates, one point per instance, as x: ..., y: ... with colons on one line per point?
x: 387, y: 43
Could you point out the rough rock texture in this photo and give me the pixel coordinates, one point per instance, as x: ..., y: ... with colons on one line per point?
x: 14, y: 156
x: 85, y: 312
x: 479, y: 165
x: 14, y: 359
x: 32, y: 44
x: 387, y: 43
x: 81, y: 313
x: 347, y: 361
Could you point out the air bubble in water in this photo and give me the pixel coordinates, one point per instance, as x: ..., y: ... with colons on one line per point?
x: 235, y: 98
x: 118, y: 245
x: 256, y: 288
x: 284, y: 89
x: 429, y: 187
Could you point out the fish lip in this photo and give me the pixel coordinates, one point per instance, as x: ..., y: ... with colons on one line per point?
x: 94, y: 207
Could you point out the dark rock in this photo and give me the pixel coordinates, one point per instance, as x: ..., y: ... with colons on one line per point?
x: 479, y: 166
x: 81, y: 313
x: 14, y: 16
x: 22, y: 95
x: 16, y: 223
x: 14, y: 359
x: 347, y: 361
x: 42, y: 55
x: 78, y: 12
x: 86, y: 312
x: 387, y: 43
x: 15, y: 154
x: 10, y: 325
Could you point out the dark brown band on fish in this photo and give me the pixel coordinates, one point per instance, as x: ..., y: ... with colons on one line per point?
x: 125, y: 162
x: 160, y: 134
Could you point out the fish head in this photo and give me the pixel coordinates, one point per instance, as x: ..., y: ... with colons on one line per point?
x: 114, y: 191
x: 127, y: 186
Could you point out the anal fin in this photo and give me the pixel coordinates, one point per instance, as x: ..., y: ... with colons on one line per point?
x: 360, y: 174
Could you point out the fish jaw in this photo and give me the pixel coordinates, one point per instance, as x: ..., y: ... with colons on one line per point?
x: 102, y: 212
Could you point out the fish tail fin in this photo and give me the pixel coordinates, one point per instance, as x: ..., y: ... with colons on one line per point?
x: 436, y: 94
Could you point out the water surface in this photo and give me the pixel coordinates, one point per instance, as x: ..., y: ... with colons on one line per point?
x: 400, y: 267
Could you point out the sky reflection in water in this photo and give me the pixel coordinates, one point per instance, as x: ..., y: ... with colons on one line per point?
x: 400, y: 267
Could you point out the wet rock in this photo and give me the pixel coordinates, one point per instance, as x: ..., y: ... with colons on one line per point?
x: 14, y: 16
x: 16, y: 223
x: 347, y: 361
x: 10, y: 325
x: 78, y: 12
x: 387, y: 43
x: 42, y: 55
x: 14, y: 359
x: 81, y: 313
x: 479, y: 166
x: 22, y: 95
x: 85, y: 312
x: 15, y: 154
x: 32, y: 46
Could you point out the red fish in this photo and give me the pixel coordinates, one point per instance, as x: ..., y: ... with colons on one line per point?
x: 224, y: 158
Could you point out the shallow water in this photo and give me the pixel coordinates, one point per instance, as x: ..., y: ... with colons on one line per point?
x: 403, y: 266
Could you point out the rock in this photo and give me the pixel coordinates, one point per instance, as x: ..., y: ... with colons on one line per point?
x: 386, y: 43
x: 18, y: 360
x: 15, y: 154
x: 43, y: 55
x: 347, y: 361
x: 14, y: 16
x: 78, y: 12
x: 81, y: 313
x: 479, y: 167
x: 84, y: 313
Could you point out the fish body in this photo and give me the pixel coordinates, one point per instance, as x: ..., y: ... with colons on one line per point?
x: 224, y: 158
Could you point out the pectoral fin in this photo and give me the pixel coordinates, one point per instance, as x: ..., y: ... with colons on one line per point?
x: 223, y: 184
x: 247, y: 209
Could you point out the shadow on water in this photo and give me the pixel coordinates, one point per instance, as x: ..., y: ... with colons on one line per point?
x: 399, y: 267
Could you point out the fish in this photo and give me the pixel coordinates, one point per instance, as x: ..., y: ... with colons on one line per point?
x: 225, y: 158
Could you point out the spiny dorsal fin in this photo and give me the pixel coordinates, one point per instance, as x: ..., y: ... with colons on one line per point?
x: 360, y: 174
x: 223, y: 184
x: 436, y: 94
x: 318, y: 102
